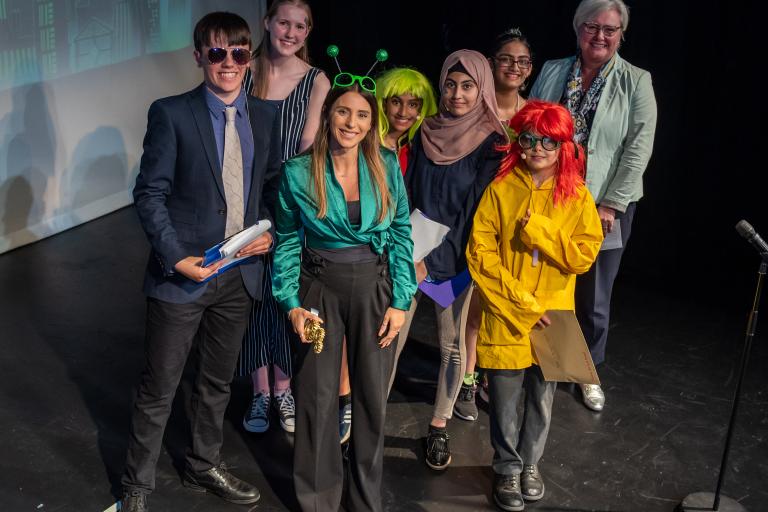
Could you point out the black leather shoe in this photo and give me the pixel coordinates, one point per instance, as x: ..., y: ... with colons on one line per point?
x: 506, y: 493
x: 222, y: 483
x: 531, y: 483
x: 134, y: 501
x: 438, y: 453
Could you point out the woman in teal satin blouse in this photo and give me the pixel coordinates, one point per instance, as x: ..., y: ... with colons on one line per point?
x: 356, y: 269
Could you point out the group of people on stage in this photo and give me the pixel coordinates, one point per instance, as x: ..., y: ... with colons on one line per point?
x: 529, y: 190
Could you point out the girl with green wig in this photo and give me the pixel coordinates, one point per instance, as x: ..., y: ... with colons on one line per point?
x: 405, y: 98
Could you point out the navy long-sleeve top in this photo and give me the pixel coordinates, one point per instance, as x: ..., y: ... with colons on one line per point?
x: 449, y: 194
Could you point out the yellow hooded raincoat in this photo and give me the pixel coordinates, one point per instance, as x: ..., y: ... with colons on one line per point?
x: 517, y: 286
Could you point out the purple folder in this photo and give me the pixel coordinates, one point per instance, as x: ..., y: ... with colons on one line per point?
x: 445, y: 292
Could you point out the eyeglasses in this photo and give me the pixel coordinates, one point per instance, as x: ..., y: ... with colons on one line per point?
x: 594, y: 28
x: 348, y: 80
x: 527, y: 140
x: 241, y: 56
x: 507, y: 61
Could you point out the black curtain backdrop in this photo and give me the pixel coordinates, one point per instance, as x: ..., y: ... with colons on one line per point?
x: 705, y: 174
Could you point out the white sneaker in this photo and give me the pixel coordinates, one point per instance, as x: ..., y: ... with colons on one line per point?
x: 257, y: 417
x: 286, y: 409
x: 593, y: 396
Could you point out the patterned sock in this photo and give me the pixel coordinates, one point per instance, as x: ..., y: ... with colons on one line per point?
x: 469, y: 379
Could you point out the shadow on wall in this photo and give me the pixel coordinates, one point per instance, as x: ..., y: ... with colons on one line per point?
x: 99, y: 169
x: 16, y: 196
x: 30, y: 146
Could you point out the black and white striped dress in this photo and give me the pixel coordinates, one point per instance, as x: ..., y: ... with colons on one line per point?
x: 267, y: 339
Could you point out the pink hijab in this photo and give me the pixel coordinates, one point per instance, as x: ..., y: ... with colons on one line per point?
x: 448, y: 139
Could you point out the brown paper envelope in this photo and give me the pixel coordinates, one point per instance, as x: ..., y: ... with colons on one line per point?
x: 561, y: 350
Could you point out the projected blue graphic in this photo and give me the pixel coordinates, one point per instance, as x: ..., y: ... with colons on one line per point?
x: 47, y: 39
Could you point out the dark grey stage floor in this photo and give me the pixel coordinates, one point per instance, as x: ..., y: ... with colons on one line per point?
x: 71, y: 324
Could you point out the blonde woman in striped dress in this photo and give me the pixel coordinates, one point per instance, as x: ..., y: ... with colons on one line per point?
x: 280, y: 74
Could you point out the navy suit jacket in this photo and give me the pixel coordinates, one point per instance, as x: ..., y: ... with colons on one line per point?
x: 179, y: 193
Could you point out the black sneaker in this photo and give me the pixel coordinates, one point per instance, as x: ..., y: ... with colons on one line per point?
x: 134, y: 501
x: 531, y: 483
x: 345, y: 423
x: 257, y: 416
x: 286, y: 409
x: 465, y: 407
x: 483, y: 391
x: 438, y: 453
x: 506, y: 493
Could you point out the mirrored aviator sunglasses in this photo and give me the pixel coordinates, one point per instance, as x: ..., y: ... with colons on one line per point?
x: 348, y: 79
x: 241, y: 56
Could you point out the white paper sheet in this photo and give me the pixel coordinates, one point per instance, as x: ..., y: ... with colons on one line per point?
x: 426, y: 234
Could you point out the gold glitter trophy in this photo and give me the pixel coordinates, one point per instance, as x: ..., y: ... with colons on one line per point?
x: 314, y: 333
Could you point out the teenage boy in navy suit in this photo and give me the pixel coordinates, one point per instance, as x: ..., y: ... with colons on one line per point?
x: 185, y: 207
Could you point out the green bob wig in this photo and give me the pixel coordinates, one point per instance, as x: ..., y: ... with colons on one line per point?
x: 397, y: 81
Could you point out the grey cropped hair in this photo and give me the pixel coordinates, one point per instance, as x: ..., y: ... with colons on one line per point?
x: 588, y: 9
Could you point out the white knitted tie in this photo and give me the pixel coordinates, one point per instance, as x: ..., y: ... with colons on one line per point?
x: 232, y: 175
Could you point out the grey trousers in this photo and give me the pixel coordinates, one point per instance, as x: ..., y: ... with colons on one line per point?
x: 451, y: 327
x: 517, y: 442
x: 594, y: 288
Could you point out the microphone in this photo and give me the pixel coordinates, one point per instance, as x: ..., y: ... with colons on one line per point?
x: 746, y: 230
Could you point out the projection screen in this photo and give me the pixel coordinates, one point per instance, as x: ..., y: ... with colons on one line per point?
x: 76, y: 80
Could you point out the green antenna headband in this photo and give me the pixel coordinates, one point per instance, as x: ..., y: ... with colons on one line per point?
x: 344, y: 79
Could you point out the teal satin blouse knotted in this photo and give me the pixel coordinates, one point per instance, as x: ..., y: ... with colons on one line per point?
x: 296, y: 209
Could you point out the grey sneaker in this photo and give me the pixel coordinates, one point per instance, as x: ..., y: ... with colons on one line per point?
x: 465, y: 407
x: 286, y: 409
x: 531, y: 483
x: 257, y: 416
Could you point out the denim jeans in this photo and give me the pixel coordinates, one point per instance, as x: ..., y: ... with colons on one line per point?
x: 516, y: 442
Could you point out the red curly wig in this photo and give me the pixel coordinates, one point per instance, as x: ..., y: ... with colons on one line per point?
x: 551, y: 120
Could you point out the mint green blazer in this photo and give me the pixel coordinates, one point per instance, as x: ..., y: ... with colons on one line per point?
x: 621, y: 140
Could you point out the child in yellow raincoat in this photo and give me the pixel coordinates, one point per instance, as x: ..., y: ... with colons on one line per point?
x: 536, y: 227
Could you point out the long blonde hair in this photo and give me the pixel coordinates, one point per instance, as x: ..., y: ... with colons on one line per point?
x: 260, y: 66
x: 377, y: 171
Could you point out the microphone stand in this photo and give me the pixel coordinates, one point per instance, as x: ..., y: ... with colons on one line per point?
x: 706, y: 501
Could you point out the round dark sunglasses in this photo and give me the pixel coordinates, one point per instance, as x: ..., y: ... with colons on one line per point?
x: 241, y: 56
x: 528, y: 140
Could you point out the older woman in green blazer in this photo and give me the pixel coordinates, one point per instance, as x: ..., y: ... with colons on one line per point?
x: 614, y: 111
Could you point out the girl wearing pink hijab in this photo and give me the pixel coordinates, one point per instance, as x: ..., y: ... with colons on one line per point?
x: 454, y: 159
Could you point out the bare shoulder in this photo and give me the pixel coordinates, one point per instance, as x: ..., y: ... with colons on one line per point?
x: 321, y: 83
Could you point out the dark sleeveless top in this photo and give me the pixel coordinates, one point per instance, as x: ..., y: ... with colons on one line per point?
x: 293, y: 111
x: 354, y: 254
